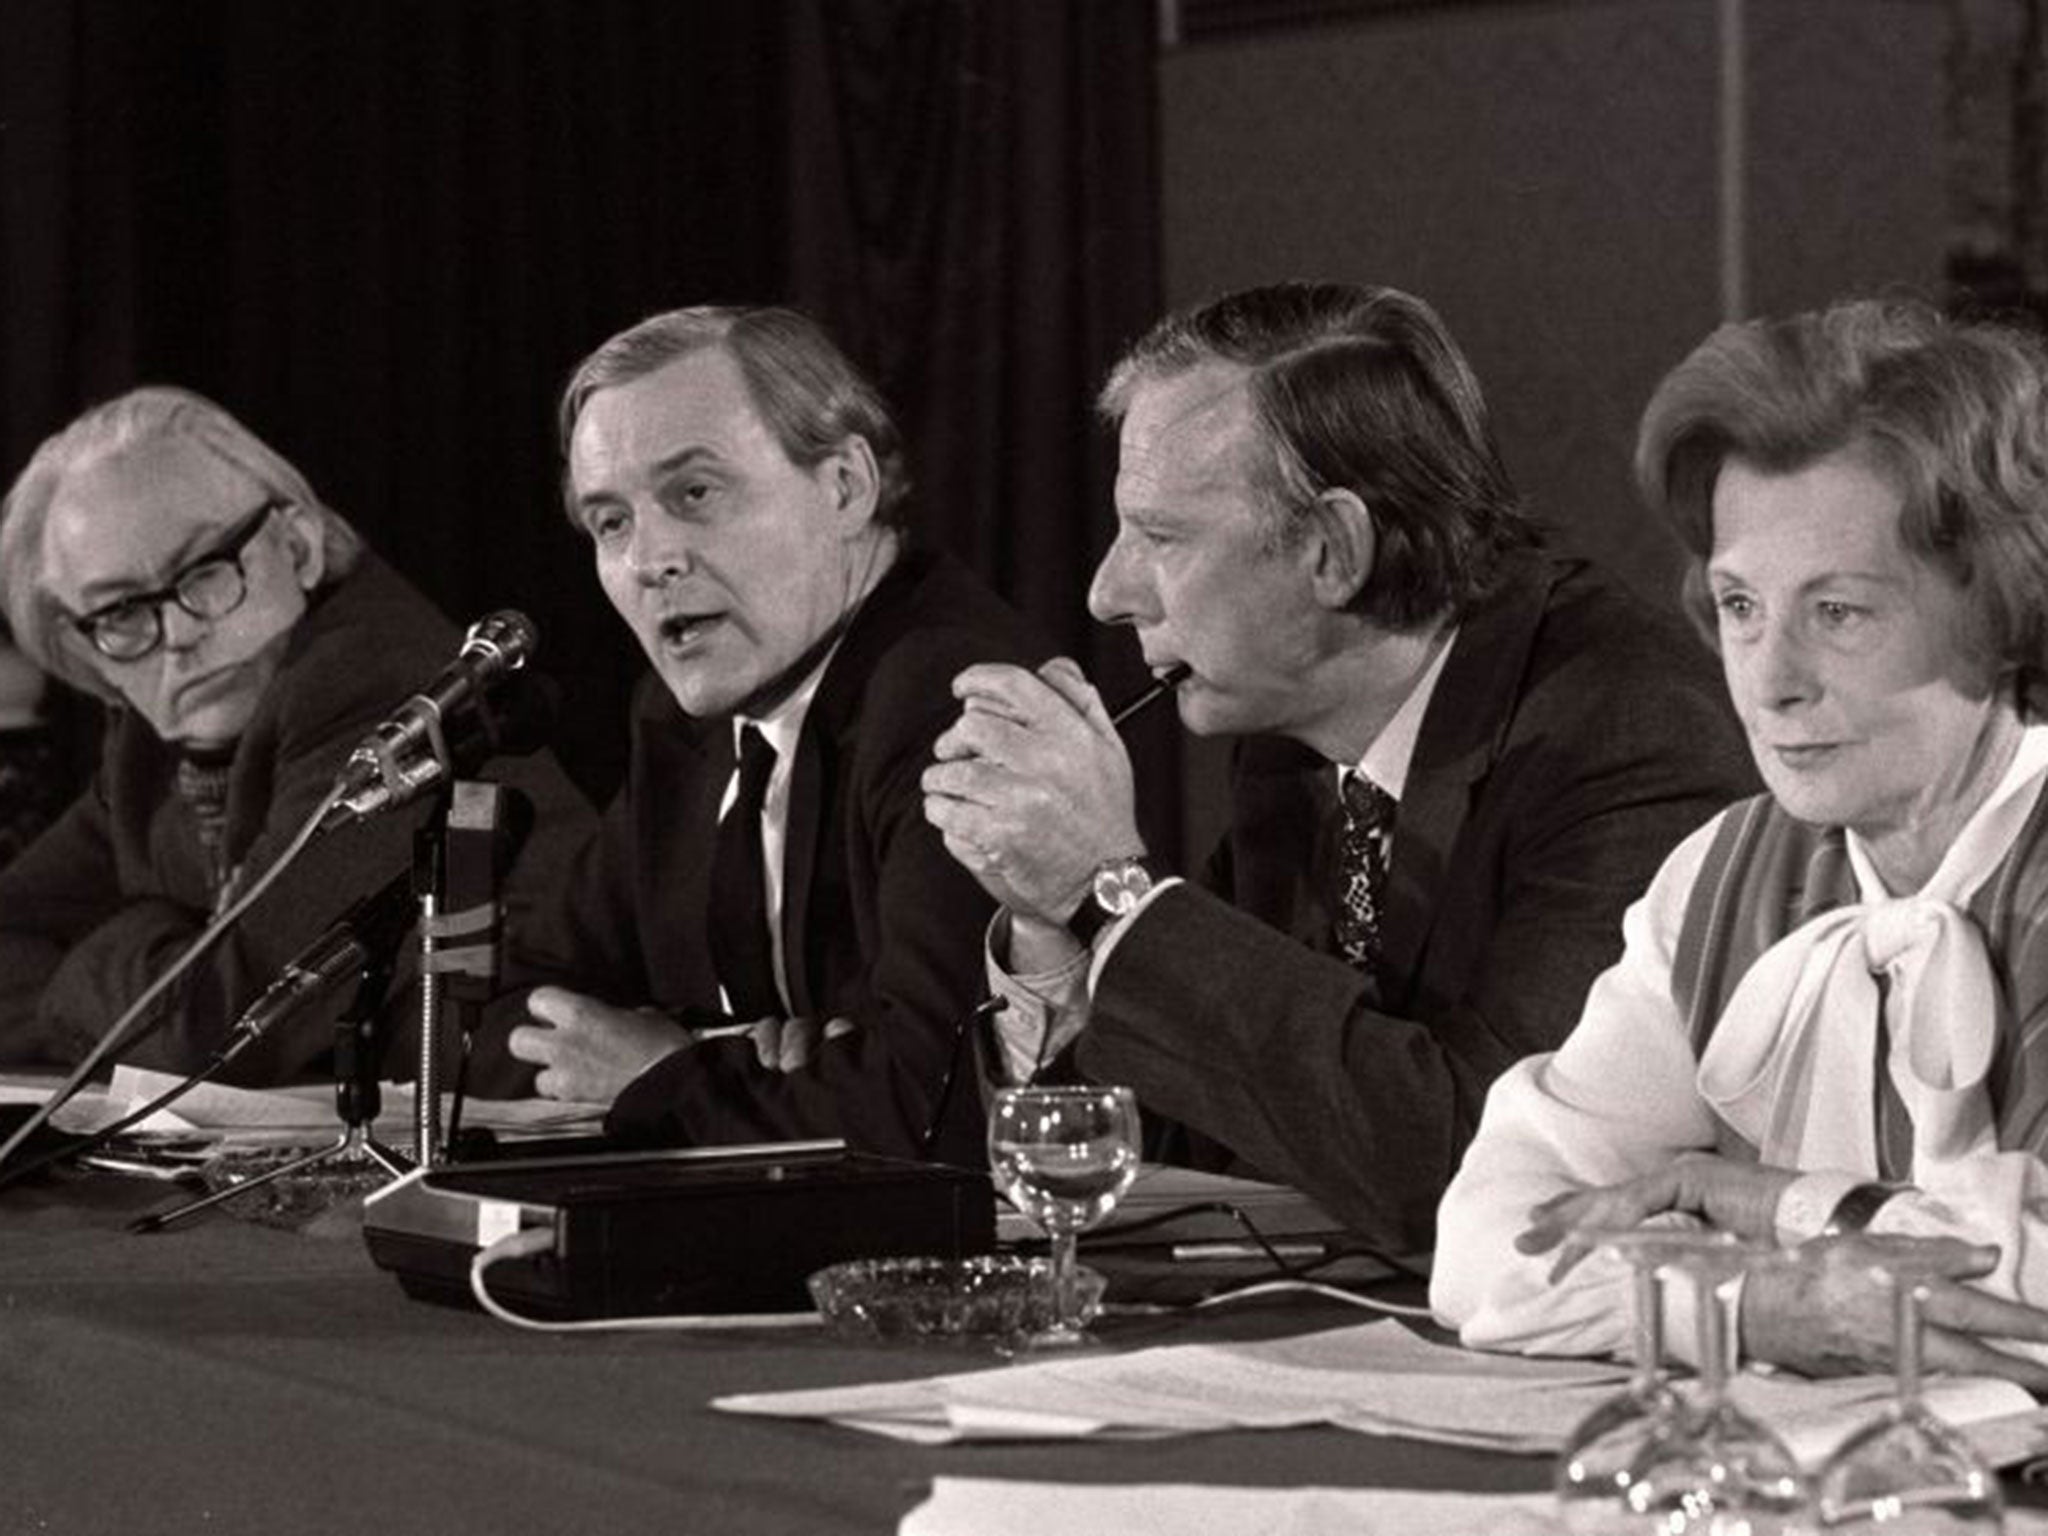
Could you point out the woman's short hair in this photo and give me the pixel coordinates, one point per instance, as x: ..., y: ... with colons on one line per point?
x: 807, y: 390
x: 1954, y: 413
x: 153, y: 418
x: 1360, y: 389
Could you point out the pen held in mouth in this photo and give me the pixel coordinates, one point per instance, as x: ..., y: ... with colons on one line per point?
x: 1156, y: 690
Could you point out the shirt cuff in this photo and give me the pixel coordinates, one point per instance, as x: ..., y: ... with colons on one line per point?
x: 1043, y: 1012
x: 1107, y: 940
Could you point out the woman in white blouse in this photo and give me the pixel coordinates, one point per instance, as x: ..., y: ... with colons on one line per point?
x: 1832, y: 1008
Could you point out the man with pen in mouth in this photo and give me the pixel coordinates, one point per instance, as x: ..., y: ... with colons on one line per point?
x: 1459, y: 757
x: 743, y: 490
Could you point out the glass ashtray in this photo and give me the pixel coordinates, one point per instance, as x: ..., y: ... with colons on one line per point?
x: 994, y: 1297
x: 293, y: 1199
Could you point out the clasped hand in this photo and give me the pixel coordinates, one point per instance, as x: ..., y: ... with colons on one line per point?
x: 1031, y: 786
x: 1826, y: 1308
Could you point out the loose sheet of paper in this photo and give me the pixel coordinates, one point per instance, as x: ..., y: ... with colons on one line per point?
x: 296, y: 1114
x: 1373, y: 1377
x: 974, y: 1506
x: 979, y: 1506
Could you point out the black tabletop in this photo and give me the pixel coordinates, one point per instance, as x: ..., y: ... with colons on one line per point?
x: 231, y: 1378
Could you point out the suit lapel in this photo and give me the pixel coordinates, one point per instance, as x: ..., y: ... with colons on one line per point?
x: 827, y: 736
x: 699, y: 757
x: 807, y: 779
x: 1461, y: 733
x: 1284, y: 796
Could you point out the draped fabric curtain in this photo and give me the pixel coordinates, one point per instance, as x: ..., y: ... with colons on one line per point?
x: 972, y: 198
x: 383, y: 232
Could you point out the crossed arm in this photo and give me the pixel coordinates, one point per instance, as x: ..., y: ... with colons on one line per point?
x: 1610, y: 1131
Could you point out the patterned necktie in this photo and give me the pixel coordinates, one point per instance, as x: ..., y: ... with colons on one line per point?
x: 1362, y: 870
x: 202, y: 786
x: 741, y: 948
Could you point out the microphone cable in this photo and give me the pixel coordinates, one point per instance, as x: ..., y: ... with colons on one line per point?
x: 530, y: 1241
x: 84, y: 1142
x: 119, y: 1032
x: 987, y: 1008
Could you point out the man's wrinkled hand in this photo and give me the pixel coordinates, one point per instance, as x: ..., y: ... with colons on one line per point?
x: 1031, y: 786
x: 1826, y: 1310
x: 1735, y: 1197
x: 586, y: 1050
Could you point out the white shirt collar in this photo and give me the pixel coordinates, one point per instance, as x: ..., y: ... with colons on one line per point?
x: 785, y: 722
x: 1387, y: 760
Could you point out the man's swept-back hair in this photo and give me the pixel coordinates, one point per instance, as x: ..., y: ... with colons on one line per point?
x: 154, y: 419
x: 1360, y: 389
x: 1953, y: 413
x: 807, y: 391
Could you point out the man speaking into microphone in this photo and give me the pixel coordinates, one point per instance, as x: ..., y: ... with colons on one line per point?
x: 159, y: 555
x: 744, y: 490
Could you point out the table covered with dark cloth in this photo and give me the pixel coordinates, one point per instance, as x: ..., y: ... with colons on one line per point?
x: 229, y: 1378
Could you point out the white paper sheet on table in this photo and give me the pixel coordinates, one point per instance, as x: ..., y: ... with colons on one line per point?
x: 296, y: 1114
x: 981, y: 1506
x: 1372, y: 1375
x: 977, y: 1506
x: 1376, y: 1377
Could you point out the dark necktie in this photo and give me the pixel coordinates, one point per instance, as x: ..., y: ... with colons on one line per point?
x: 741, y: 948
x: 1362, y: 870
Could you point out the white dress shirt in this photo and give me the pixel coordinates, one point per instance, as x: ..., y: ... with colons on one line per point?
x: 780, y: 727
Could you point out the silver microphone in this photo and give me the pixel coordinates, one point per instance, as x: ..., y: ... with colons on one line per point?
x: 410, y: 751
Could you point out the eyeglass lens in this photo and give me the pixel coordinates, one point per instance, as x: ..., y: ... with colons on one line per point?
x: 212, y: 588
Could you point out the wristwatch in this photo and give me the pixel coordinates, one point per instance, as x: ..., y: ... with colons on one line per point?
x: 1853, y: 1212
x: 1118, y: 886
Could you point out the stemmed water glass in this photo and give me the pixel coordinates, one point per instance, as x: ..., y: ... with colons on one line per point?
x: 1716, y: 1471
x: 1065, y: 1157
x: 1908, y: 1473
x: 1598, y: 1461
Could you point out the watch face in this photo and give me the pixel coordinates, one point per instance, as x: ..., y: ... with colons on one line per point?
x: 1121, y: 886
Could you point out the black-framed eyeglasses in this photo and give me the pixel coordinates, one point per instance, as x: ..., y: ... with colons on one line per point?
x: 211, y: 587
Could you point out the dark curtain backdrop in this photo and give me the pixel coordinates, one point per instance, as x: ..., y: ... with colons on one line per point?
x: 383, y: 232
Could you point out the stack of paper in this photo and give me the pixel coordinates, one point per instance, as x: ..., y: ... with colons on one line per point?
x: 302, y: 1114
x: 1378, y: 1378
x: 1170, y: 1205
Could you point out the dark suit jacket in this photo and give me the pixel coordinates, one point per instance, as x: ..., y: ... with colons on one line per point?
x: 879, y: 925
x: 1574, y: 737
x: 120, y: 884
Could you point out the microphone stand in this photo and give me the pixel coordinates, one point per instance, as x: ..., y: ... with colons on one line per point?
x: 455, y: 873
x: 357, y: 1056
x: 456, y: 859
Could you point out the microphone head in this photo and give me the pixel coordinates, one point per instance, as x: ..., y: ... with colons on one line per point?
x: 507, y: 637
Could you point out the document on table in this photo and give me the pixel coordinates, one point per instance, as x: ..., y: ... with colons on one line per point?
x: 300, y: 1114
x: 1370, y: 1376
x: 982, y: 1506
x: 1377, y: 1377
x: 1170, y: 1204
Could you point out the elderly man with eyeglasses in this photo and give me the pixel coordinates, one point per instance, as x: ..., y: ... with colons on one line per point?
x: 158, y: 555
